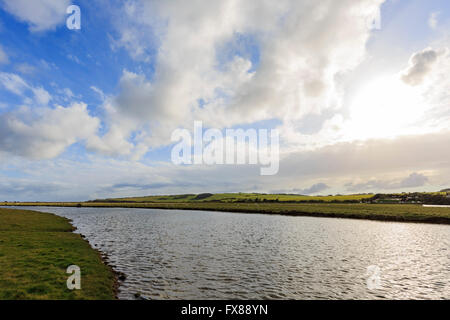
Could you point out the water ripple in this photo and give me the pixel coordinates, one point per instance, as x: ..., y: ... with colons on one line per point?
x: 214, y: 255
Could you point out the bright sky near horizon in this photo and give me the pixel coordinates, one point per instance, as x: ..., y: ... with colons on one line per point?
x: 89, y: 113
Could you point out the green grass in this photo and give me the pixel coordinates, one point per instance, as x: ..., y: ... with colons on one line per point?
x: 36, y: 249
x: 386, y: 212
x: 239, y: 197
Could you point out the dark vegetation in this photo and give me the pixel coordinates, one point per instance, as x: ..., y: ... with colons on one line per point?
x: 436, y: 198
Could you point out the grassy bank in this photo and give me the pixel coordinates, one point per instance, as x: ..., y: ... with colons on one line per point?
x: 36, y: 249
x: 385, y: 212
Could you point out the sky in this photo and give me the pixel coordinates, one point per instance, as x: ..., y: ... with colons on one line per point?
x: 88, y: 113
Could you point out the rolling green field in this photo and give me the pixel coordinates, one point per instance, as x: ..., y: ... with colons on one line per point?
x: 239, y: 197
x: 36, y: 249
x: 386, y: 212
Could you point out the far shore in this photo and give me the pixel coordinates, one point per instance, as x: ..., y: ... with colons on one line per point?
x: 380, y: 212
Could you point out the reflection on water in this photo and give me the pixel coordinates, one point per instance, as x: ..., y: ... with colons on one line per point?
x: 213, y: 255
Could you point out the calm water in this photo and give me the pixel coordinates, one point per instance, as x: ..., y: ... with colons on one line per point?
x: 214, y: 255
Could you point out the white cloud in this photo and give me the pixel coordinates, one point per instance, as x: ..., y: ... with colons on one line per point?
x: 99, y: 92
x: 316, y: 188
x: 43, y: 133
x: 389, y: 161
x: 15, y: 84
x: 413, y: 109
x: 434, y: 90
x: 3, y: 56
x: 306, y: 49
x: 11, y: 188
x: 202, y: 50
x: 42, y: 97
x: 74, y: 59
x: 304, y: 46
x: 414, y: 180
x: 40, y: 15
x: 25, y: 68
x: 68, y: 93
x: 420, y: 65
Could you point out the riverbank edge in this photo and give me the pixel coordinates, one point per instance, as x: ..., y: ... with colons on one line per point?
x: 104, y: 259
x: 103, y: 256
x: 292, y: 213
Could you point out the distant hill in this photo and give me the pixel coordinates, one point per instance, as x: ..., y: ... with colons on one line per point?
x: 411, y: 198
x: 445, y: 190
x: 241, y: 197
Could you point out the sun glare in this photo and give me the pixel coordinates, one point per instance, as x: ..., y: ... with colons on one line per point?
x: 385, y: 107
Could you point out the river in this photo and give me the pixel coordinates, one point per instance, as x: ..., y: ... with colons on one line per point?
x: 172, y: 254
